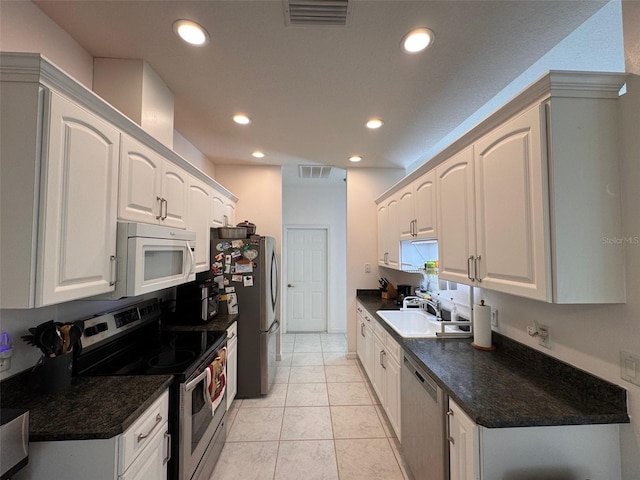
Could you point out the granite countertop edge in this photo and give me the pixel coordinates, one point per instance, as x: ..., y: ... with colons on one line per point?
x: 95, y: 408
x: 488, y: 407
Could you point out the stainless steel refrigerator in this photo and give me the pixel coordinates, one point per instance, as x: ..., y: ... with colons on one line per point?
x: 249, y: 270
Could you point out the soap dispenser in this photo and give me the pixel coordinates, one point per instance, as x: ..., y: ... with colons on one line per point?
x: 454, y: 311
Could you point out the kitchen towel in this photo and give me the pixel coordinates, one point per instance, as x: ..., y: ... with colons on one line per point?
x: 482, y: 327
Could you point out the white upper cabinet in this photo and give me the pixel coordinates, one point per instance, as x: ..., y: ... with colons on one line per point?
x: 456, y: 217
x: 59, y: 198
x: 199, y: 220
x: 512, y: 250
x: 217, y: 210
x: 416, y: 207
x: 544, y: 201
x: 152, y: 189
x: 79, y: 177
x: 425, y: 206
x: 388, y: 227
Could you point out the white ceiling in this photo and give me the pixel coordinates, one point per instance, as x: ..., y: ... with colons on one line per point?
x: 309, y: 90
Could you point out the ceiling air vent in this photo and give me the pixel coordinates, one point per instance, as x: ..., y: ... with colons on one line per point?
x: 314, y: 171
x: 317, y: 12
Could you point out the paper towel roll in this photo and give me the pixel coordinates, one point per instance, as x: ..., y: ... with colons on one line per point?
x: 482, y: 326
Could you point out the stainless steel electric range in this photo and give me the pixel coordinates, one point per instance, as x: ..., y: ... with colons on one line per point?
x: 130, y: 341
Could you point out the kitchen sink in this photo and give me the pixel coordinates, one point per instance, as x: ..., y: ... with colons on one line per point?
x: 413, y: 323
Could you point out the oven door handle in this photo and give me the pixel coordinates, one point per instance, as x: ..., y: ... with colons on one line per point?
x: 192, y: 384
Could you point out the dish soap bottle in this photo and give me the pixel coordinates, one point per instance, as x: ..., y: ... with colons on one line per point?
x: 454, y: 311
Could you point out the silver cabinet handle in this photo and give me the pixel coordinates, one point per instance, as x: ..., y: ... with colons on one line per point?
x: 362, y: 329
x: 448, y: 433
x: 114, y: 270
x: 469, y: 260
x: 159, y: 216
x: 142, y: 436
x: 382, y: 354
x: 167, y: 438
x: 166, y: 209
x: 476, y: 265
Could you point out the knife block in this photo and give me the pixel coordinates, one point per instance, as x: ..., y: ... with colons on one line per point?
x: 390, y: 293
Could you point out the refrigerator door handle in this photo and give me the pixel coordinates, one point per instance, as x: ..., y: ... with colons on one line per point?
x: 275, y: 326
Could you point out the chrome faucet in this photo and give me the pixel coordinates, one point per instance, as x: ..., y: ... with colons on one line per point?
x: 423, y: 303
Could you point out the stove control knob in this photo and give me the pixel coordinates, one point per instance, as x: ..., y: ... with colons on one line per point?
x: 95, y: 329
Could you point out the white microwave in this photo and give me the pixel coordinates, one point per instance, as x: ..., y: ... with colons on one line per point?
x: 151, y: 258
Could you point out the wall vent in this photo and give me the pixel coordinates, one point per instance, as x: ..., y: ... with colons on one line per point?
x: 317, y: 12
x: 314, y: 171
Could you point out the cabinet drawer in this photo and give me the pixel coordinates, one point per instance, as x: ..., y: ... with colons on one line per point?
x: 393, y: 349
x: 143, y: 430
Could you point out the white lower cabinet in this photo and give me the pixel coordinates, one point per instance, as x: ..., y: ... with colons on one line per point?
x: 364, y: 341
x: 381, y: 357
x: 141, y: 452
x: 232, y: 363
x: 567, y: 451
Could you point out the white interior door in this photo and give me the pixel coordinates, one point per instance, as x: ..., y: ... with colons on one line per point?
x: 306, y: 280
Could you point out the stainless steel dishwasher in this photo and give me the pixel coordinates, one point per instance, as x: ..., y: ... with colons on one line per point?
x: 422, y: 416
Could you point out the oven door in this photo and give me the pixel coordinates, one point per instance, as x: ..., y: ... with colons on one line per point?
x: 202, y: 410
x: 157, y: 263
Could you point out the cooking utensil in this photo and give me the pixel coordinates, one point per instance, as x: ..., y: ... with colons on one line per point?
x: 251, y: 227
x: 75, y: 332
x: 232, y: 232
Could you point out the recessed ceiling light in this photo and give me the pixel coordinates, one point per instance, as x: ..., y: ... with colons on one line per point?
x: 374, y: 123
x: 242, y: 119
x: 258, y: 154
x: 355, y: 158
x: 191, y: 32
x: 417, y: 40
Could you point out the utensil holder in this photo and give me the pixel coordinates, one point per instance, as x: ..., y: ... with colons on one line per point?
x: 390, y: 293
x: 55, y: 373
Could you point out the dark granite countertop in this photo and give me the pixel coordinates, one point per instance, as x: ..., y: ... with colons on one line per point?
x: 512, y: 386
x: 218, y: 324
x: 94, y: 407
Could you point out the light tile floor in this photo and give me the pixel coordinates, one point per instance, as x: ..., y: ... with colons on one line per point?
x: 321, y: 421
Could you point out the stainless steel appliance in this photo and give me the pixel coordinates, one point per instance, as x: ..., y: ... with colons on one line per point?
x: 150, y: 258
x: 14, y: 439
x: 250, y: 274
x: 197, y: 301
x: 422, y: 414
x: 130, y: 341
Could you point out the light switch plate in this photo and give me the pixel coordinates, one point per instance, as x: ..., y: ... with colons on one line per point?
x: 630, y: 367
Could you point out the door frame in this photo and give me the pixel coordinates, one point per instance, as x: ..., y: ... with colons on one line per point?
x: 285, y: 270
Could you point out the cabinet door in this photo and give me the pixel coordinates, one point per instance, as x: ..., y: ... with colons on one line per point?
x: 232, y: 366
x: 382, y: 234
x: 455, y: 217
x: 79, y: 202
x: 140, y: 182
x: 406, y: 212
x: 425, y: 206
x: 229, y: 213
x: 393, y: 240
x: 377, y: 370
x: 151, y: 464
x: 175, y: 193
x: 511, y: 223
x: 392, y: 393
x: 463, y: 445
x: 199, y: 215
x: 217, y: 210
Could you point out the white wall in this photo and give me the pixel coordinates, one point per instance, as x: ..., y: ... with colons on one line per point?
x: 364, y: 185
x: 191, y: 154
x: 315, y: 205
x: 25, y: 28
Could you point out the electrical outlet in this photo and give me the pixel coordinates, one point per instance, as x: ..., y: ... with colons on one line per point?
x: 367, y: 268
x: 543, y: 336
x: 494, y: 317
x: 630, y: 367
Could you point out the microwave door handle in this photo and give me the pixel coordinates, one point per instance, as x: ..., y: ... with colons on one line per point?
x: 192, y: 265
